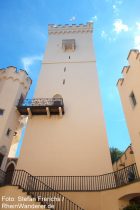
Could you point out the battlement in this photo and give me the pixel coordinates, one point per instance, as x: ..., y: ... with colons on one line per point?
x: 133, y: 53
x: 11, y: 73
x: 58, y: 29
x: 133, y: 56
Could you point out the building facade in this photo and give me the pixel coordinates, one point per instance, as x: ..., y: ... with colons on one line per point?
x: 126, y: 159
x: 129, y: 89
x: 13, y: 86
x: 65, y: 153
x: 60, y: 141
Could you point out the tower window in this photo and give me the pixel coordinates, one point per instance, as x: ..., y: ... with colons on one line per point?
x: 68, y: 44
x: 69, y: 57
x: 63, y: 81
x: 1, y: 111
x: 8, y: 132
x: 133, y: 99
x: 64, y: 69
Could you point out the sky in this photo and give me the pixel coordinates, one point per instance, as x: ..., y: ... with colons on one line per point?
x: 23, y: 39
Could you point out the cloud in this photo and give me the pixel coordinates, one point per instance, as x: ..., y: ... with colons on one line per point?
x: 137, y: 41
x: 27, y: 62
x: 108, y: 36
x: 119, y: 2
x: 119, y: 26
x: 138, y: 25
x: 104, y: 34
x: 115, y: 9
x: 72, y: 18
x: 93, y: 19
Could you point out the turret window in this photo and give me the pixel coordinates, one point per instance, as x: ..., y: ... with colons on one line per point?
x: 1, y: 112
x: 8, y: 132
x: 133, y: 99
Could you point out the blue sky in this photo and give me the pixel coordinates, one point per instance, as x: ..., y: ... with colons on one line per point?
x: 23, y: 38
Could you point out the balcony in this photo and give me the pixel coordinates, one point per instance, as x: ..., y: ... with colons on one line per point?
x: 41, y: 106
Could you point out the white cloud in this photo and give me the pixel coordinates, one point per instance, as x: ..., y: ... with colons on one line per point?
x: 93, y: 19
x: 119, y: 26
x: 115, y: 9
x: 108, y: 36
x: 138, y: 25
x: 72, y: 18
x: 137, y: 41
x: 119, y: 2
x: 27, y: 62
x: 103, y: 34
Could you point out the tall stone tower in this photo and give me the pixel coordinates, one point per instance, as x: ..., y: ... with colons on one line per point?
x: 13, y: 87
x: 66, y: 132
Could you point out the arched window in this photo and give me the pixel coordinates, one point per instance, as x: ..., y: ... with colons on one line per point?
x: 58, y: 100
x: 57, y: 96
x: 9, y: 173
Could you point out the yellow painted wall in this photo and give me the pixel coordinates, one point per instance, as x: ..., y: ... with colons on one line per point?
x: 13, y: 85
x: 75, y: 144
x: 110, y: 199
x: 129, y: 83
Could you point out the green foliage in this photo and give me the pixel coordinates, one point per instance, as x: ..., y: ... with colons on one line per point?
x: 115, y: 154
x: 132, y: 207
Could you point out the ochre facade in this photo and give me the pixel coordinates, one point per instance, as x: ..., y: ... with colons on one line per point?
x: 75, y: 143
x: 13, y: 85
x: 129, y: 89
x: 68, y: 139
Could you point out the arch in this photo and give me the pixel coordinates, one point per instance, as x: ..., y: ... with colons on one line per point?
x: 128, y: 199
x: 57, y: 100
x: 11, y: 162
x: 135, y: 200
x: 129, y: 196
x: 57, y: 96
x: 9, y: 172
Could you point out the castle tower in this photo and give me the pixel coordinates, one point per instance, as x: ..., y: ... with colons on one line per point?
x: 66, y: 133
x: 13, y: 86
x: 129, y: 89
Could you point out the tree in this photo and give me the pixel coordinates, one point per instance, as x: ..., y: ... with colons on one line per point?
x: 115, y: 154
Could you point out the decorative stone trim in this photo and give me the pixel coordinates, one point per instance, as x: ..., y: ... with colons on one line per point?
x: 134, y: 51
x: 12, y: 73
x: 61, y: 29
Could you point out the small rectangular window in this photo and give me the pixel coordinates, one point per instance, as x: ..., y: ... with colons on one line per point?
x: 133, y: 99
x: 68, y: 44
x: 63, y: 81
x: 8, y: 132
x: 1, y: 111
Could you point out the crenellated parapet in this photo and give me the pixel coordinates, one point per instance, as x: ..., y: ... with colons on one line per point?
x: 11, y: 73
x: 61, y: 29
x: 133, y: 54
x: 133, y: 57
